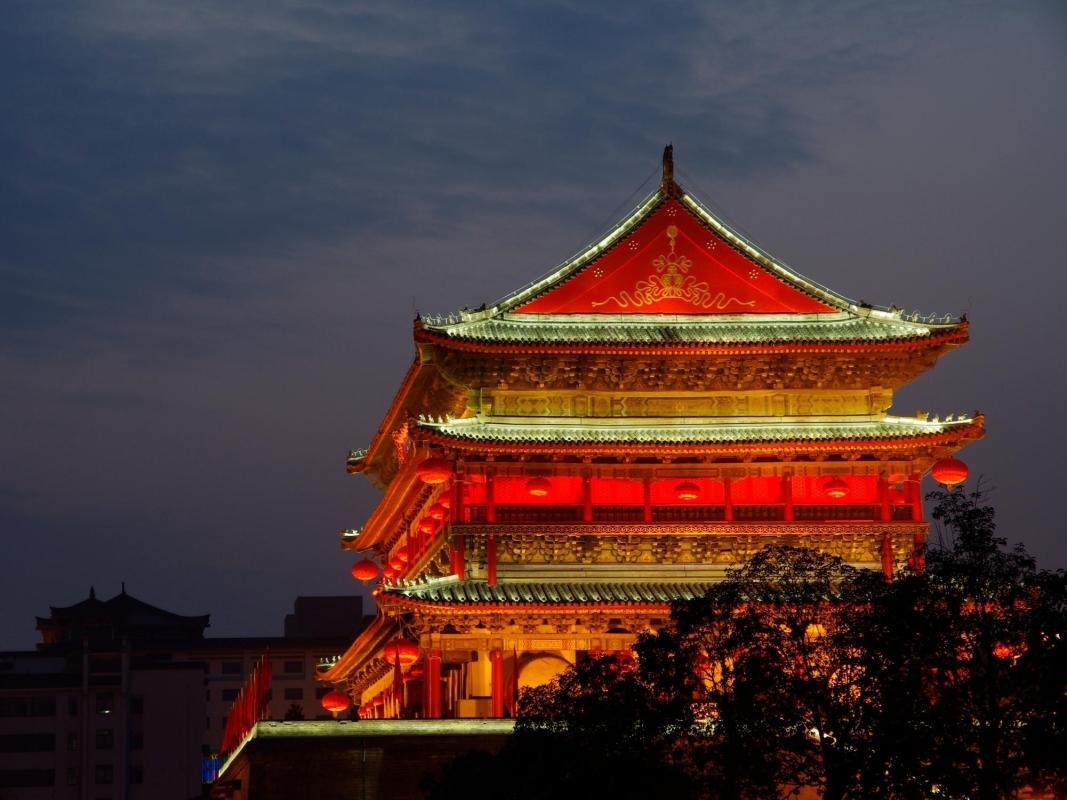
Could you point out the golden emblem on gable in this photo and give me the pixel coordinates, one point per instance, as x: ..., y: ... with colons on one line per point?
x: 672, y: 281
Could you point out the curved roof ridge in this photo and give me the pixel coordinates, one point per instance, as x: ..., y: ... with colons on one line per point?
x: 713, y: 222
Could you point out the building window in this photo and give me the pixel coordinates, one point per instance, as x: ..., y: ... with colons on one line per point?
x: 105, y: 738
x: 294, y: 693
x: 28, y: 707
x: 72, y: 776
x: 18, y: 778
x: 72, y: 706
x: 136, y: 774
x: 104, y: 774
x: 136, y: 740
x: 72, y: 742
x: 229, y: 694
x: 27, y: 743
x: 137, y: 704
x: 105, y: 703
x: 231, y: 668
x: 293, y: 667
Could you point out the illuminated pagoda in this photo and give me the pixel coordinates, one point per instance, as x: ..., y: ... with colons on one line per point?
x: 561, y: 465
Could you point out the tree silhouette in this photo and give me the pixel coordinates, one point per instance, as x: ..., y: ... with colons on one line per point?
x: 799, y: 673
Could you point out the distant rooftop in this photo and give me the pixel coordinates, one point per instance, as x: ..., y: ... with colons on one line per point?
x: 121, y: 617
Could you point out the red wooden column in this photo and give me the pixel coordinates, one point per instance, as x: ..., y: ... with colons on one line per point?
x: 587, y: 499
x: 496, y: 660
x: 648, y: 498
x: 916, y: 496
x: 490, y: 543
x: 433, y: 684
x: 883, y: 499
x: 727, y: 499
x: 787, y: 497
x: 887, y: 557
x: 455, y: 515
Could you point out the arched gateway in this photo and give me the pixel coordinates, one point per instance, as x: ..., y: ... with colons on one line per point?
x: 561, y: 465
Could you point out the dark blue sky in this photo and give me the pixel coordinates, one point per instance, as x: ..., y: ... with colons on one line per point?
x: 217, y: 220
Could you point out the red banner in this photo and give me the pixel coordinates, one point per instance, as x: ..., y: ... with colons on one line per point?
x: 251, y: 705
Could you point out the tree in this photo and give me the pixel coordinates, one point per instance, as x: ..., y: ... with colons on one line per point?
x: 294, y: 713
x: 594, y: 732
x: 798, y: 671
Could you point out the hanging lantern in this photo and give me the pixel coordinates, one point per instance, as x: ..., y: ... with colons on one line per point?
x: 434, y: 470
x: 898, y: 498
x: 413, y: 674
x: 336, y: 701
x: 365, y: 570
x: 445, y: 502
x: 949, y: 472
x: 427, y: 525
x: 402, y: 650
x: 538, y: 487
x: 687, y: 491
x: 395, y: 564
x: 835, y: 488
x: 436, y: 511
x: 389, y: 573
x: 404, y: 554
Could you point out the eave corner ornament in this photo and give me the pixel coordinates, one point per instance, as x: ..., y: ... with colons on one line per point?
x: 671, y: 281
x: 402, y: 442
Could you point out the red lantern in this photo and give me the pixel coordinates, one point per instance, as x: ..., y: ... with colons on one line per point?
x: 687, y: 491
x: 835, y: 488
x: 427, y: 525
x: 445, y: 502
x: 336, y: 701
x: 365, y: 570
x: 389, y: 573
x: 538, y: 487
x: 396, y: 565
x: 436, y: 511
x: 434, y: 470
x: 404, y: 554
x: 950, y: 472
x: 402, y: 650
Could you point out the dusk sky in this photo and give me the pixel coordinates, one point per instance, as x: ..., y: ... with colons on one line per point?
x: 218, y: 219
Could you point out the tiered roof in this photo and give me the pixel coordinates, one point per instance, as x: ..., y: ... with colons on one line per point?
x: 558, y: 593
x: 673, y: 273
x: 583, y: 432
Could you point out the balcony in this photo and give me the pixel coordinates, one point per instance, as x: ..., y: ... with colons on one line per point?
x: 754, y: 512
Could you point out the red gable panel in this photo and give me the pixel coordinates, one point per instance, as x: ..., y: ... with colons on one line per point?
x: 672, y: 264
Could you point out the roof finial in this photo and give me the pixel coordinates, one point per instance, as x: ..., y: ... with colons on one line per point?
x: 92, y: 592
x: 124, y: 587
x: 668, y: 169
